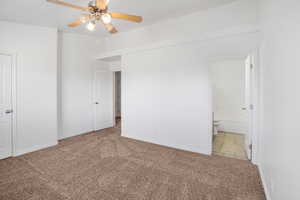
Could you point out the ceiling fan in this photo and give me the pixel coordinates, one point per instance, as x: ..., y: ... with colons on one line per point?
x: 97, y: 11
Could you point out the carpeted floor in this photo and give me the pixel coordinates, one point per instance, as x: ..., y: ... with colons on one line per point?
x: 105, y: 166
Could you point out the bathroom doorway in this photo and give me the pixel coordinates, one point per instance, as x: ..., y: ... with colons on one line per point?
x: 232, y: 107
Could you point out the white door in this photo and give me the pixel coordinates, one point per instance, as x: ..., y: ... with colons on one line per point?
x: 5, y: 106
x: 103, y: 100
x: 248, y: 104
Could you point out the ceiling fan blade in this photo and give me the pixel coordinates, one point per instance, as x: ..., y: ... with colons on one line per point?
x: 67, y: 4
x: 110, y: 28
x: 127, y: 17
x: 75, y: 23
x: 101, y: 4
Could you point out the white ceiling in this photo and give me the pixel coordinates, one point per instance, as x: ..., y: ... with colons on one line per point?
x: 40, y: 12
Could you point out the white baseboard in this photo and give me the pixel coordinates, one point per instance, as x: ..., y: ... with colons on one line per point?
x: 68, y: 135
x: 203, y: 150
x: 232, y: 126
x: 105, y: 125
x: 5, y: 154
x: 34, y: 148
x: 263, y: 180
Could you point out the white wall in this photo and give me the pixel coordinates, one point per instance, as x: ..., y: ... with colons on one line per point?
x: 279, y: 147
x: 228, y: 81
x: 36, y: 49
x: 226, y: 31
x: 76, y: 56
x: 166, y: 98
x: 77, y: 65
x: 237, y: 17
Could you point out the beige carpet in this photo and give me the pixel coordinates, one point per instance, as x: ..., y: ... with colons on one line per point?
x: 105, y: 166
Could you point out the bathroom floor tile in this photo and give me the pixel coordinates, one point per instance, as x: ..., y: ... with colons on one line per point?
x: 229, y: 145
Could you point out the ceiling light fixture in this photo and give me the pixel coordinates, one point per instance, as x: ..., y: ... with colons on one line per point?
x: 106, y: 18
x: 91, y: 26
x: 97, y: 10
x: 83, y: 18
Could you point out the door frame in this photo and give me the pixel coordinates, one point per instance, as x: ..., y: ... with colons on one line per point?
x: 256, y: 123
x: 256, y: 101
x: 114, y: 94
x: 254, y: 106
x: 13, y: 57
x: 249, y: 86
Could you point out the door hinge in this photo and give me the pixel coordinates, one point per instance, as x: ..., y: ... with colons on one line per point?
x: 9, y: 111
x: 251, y: 107
x: 251, y: 66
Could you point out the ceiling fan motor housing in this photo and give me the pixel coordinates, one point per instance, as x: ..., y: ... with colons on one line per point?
x: 93, y: 9
x: 92, y: 3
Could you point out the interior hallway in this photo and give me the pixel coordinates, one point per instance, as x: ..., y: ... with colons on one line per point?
x: 229, y: 145
x: 103, y: 165
x: 118, y: 123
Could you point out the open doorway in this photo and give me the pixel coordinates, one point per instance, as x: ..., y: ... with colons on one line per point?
x: 232, y: 107
x: 108, y: 93
x: 117, y: 99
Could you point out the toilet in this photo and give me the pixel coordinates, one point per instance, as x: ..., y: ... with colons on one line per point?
x: 215, y: 126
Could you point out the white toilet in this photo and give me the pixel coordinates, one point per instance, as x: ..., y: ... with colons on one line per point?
x: 216, y: 125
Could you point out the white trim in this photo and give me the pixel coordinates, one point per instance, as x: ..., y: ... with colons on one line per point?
x: 76, y: 134
x: 254, y: 116
x: 256, y: 120
x: 13, y: 56
x: 107, y: 124
x: 5, y: 154
x: 14, y: 104
x: 123, y: 77
x: 249, y: 91
x: 93, y: 97
x: 115, y: 68
x: 202, y: 150
x: 206, y: 36
x: 114, y: 98
x: 263, y: 180
x: 35, y: 148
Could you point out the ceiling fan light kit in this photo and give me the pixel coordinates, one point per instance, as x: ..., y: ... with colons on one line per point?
x: 83, y: 18
x: 106, y: 18
x: 98, y: 11
x: 91, y: 25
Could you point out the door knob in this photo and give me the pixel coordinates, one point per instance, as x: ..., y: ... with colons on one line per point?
x: 8, y: 111
x: 96, y: 103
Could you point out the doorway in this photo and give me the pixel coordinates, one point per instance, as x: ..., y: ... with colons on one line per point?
x: 117, y: 99
x: 232, y: 81
x: 107, y: 94
x: 6, y: 106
